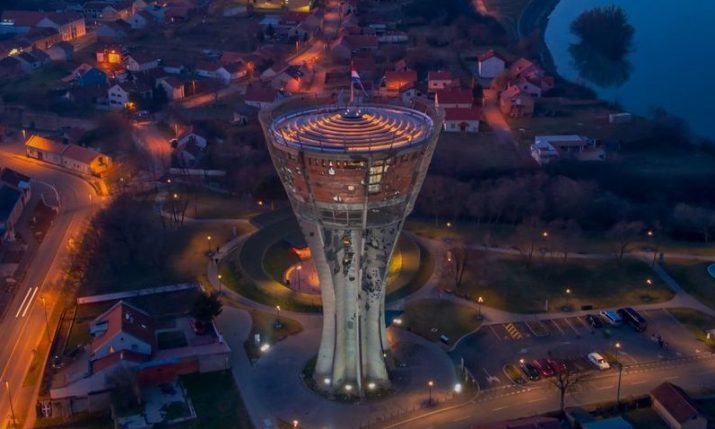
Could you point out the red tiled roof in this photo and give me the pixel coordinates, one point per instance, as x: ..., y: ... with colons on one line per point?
x: 439, y: 75
x: 111, y: 359
x: 675, y: 402
x: 522, y: 65
x: 45, y: 145
x: 455, y: 96
x: 490, y: 54
x: 122, y: 317
x: 463, y: 114
x: 80, y: 154
x: 262, y: 95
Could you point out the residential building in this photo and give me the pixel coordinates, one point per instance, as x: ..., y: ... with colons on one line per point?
x: 173, y: 87
x: 110, y: 55
x: 92, y: 77
x: 70, y: 156
x: 141, y: 20
x: 119, y: 96
x: 454, y: 98
x: 462, y: 119
x: 439, y: 80
x: 70, y: 25
x: 676, y: 408
x: 108, y: 11
x: 61, y: 51
x: 140, y: 62
x: 31, y: 61
x: 394, y: 81
x: 45, y: 149
x: 213, y: 70
x: 490, y: 65
x: 547, y: 149
x: 515, y: 103
x: 111, y: 31
x: 122, y: 327
x: 261, y: 97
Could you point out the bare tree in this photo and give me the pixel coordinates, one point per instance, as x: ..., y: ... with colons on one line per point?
x: 564, y: 235
x: 457, y: 258
x: 623, y: 234
x: 564, y: 381
x: 527, y: 234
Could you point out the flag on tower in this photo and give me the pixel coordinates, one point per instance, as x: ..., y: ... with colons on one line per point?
x: 355, y: 78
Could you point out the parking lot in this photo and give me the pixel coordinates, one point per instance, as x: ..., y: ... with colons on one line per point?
x: 570, y: 339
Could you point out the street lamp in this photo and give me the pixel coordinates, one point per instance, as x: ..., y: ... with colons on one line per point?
x: 620, y: 373
x: 278, y: 324
x: 219, y: 283
x: 568, y: 294
x: 480, y: 301
x: 12, y: 408
x: 47, y: 319
x: 299, y: 268
x: 430, y: 384
x: 295, y: 424
x: 208, y: 242
x: 651, y: 235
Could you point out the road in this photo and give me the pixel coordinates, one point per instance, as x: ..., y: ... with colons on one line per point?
x: 23, y: 326
x: 513, y: 402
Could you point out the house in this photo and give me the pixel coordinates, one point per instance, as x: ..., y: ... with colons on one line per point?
x: 85, y: 160
x: 140, y: 62
x: 396, y: 80
x: 69, y: 25
x: 361, y: 42
x: 124, y: 94
x: 172, y: 67
x: 490, y: 65
x: 30, y: 62
x: 236, y: 70
x: 462, y: 119
x: 44, y: 149
x: 122, y: 328
x: 107, y: 11
x: 530, y: 85
x: 115, y: 30
x: 676, y: 408
x: 515, y: 103
x: 547, y: 149
x: 189, y: 148
x: 454, y: 98
x: 291, y: 78
x: 213, y: 70
x: 41, y: 38
x: 140, y: 20
x: 11, y: 206
x: 110, y: 55
x: 92, y: 77
x: 173, y: 87
x: 438, y: 80
x: 61, y: 51
x: 118, y: 96
x: 522, y: 67
x: 260, y: 97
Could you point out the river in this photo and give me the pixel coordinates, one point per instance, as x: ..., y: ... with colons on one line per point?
x: 671, y: 63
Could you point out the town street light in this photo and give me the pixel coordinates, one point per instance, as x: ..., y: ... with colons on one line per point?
x: 47, y: 319
x: 651, y: 235
x: 278, y: 324
x: 295, y: 424
x: 299, y: 268
x: 568, y: 294
x: 219, y: 284
x: 430, y: 384
x: 620, y: 373
x: 208, y: 242
x: 480, y: 301
x: 12, y: 408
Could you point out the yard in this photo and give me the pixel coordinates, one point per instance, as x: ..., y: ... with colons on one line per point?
x: 207, y: 204
x: 509, y: 284
x: 696, y: 322
x: 432, y: 318
x: 645, y: 418
x: 217, y: 402
x: 694, y: 278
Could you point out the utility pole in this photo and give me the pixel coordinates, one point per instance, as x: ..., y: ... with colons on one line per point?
x: 12, y: 409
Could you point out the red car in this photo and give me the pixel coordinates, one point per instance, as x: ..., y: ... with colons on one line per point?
x: 542, y: 365
x: 557, y: 365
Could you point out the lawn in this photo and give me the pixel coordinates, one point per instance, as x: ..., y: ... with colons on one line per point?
x: 207, y: 204
x: 432, y: 318
x: 644, y: 418
x: 460, y: 153
x: 509, y: 284
x: 696, y: 322
x: 694, y: 278
x: 217, y: 402
x: 263, y: 324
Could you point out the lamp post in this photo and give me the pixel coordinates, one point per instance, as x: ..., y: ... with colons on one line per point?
x: 208, y: 242
x: 651, y: 235
x: 299, y: 268
x: 220, y: 289
x: 568, y: 295
x: 47, y: 319
x: 480, y: 301
x: 620, y: 373
x: 278, y: 324
x: 430, y: 384
x: 295, y: 424
x: 12, y: 408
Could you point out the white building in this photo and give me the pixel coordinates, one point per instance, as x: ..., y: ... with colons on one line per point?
x: 490, y: 65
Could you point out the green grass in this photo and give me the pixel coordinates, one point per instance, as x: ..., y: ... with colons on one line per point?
x: 508, y: 284
x: 217, y: 402
x: 696, y: 322
x: 278, y: 259
x: 206, y: 204
x: 694, y: 278
x: 263, y: 323
x: 431, y: 318
x: 645, y: 418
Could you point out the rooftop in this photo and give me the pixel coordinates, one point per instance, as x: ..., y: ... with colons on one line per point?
x: 356, y: 129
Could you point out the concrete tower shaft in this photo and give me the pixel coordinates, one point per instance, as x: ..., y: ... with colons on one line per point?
x: 352, y: 176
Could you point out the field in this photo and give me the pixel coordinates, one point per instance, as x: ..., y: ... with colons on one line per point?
x: 694, y: 278
x: 509, y: 284
x: 696, y: 322
x: 432, y: 318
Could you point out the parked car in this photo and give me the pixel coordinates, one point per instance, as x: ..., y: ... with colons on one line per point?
x: 514, y: 375
x: 542, y: 365
x: 599, y: 361
x: 557, y: 365
x: 633, y: 318
x: 594, y: 321
x: 612, y: 317
x: 529, y: 370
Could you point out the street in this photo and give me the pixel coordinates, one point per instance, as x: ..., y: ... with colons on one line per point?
x: 23, y: 326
